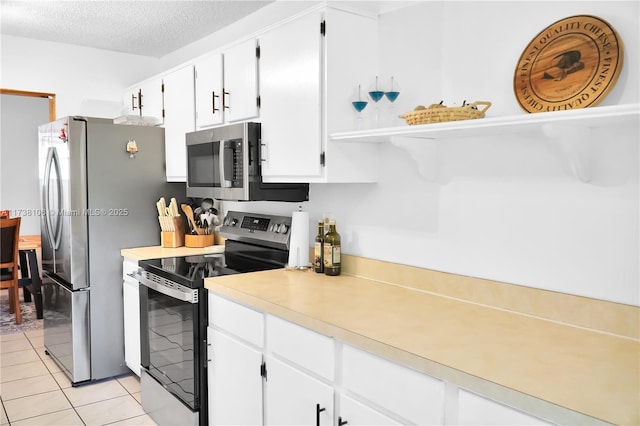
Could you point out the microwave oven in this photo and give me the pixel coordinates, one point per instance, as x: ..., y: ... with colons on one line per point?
x: 223, y: 163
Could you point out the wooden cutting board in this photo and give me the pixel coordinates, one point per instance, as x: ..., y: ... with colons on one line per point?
x: 574, y: 63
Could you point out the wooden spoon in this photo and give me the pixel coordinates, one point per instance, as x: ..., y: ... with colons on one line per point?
x: 188, y: 211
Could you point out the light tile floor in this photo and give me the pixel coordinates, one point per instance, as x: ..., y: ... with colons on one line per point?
x: 34, y: 391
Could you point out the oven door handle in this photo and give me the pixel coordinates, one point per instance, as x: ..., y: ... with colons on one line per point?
x: 176, y: 291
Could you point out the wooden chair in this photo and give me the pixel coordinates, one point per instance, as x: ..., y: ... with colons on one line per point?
x: 9, y: 261
x: 4, y: 214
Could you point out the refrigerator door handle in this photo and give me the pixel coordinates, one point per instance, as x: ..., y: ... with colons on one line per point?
x: 52, y: 161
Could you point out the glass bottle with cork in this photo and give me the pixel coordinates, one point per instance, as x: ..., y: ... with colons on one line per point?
x: 332, y: 250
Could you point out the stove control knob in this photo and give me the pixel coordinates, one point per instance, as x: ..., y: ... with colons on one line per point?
x: 234, y: 222
x: 284, y: 228
x: 276, y: 228
x: 226, y: 221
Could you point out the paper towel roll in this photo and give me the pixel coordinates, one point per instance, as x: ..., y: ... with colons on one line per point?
x: 299, y: 240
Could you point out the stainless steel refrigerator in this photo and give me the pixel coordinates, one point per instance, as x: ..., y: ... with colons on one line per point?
x: 99, y: 185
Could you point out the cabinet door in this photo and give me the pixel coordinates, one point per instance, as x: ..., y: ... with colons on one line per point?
x: 151, y: 98
x: 295, y: 398
x: 179, y: 118
x: 241, y: 82
x: 209, y: 91
x: 358, y: 414
x: 131, y: 298
x: 235, y: 383
x: 290, y: 98
x: 475, y: 410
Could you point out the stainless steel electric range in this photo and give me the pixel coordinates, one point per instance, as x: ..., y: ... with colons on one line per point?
x: 174, y: 313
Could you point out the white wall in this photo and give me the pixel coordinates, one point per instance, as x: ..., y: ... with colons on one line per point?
x: 506, y: 208
x: 19, y: 187
x: 86, y: 81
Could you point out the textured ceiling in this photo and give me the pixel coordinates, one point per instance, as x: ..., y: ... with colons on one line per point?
x: 149, y: 28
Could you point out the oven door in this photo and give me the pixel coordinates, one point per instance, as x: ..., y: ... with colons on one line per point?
x: 173, y: 321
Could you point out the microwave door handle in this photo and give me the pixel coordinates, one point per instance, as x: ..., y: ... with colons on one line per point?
x: 224, y: 182
x: 228, y: 165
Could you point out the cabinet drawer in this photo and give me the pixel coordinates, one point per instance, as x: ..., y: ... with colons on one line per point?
x: 301, y: 346
x: 476, y: 410
x: 410, y: 394
x: 238, y: 320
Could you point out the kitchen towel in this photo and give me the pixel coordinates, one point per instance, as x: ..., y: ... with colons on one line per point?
x: 299, y: 242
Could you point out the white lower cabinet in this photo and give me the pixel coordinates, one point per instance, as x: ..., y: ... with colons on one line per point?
x: 356, y: 413
x: 476, y: 410
x: 409, y: 394
x: 301, y: 347
x: 295, y: 398
x: 131, y: 300
x: 235, y: 383
x: 266, y: 370
x: 236, y: 340
x: 300, y: 371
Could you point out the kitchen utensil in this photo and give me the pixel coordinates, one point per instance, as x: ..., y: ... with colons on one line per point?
x: 188, y: 211
x: 206, y: 204
x: 173, y: 208
x: 163, y: 206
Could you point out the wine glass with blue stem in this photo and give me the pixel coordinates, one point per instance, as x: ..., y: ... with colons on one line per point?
x: 376, y: 94
x: 359, y: 105
x: 392, y: 95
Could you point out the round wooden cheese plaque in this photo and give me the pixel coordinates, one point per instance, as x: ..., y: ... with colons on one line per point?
x: 571, y: 64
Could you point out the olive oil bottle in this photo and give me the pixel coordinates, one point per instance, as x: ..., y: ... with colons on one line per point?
x: 332, y: 250
x: 318, y: 258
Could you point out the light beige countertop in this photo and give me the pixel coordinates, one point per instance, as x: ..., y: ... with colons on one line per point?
x: 548, y: 364
x: 155, y: 252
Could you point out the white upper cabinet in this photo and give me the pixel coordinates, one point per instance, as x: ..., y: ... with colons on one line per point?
x: 179, y: 119
x: 309, y: 67
x: 144, y: 99
x: 240, y: 96
x: 209, y: 84
x: 291, y: 98
x: 227, y: 85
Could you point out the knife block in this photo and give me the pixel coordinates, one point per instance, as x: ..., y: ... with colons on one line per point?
x: 174, y: 238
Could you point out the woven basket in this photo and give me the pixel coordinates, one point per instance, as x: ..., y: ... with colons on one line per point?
x: 438, y: 113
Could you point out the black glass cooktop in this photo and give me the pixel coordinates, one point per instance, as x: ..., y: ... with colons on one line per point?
x: 189, y: 271
x: 238, y: 258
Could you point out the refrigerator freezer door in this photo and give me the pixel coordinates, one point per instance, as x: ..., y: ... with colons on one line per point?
x: 64, y: 200
x: 66, y: 330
